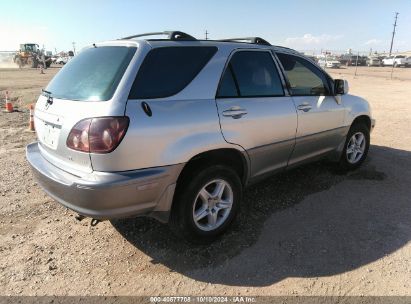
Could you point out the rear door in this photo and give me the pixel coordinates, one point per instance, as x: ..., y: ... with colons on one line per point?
x: 320, y: 116
x: 254, y: 111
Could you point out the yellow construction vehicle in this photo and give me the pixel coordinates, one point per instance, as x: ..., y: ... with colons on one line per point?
x: 30, y: 54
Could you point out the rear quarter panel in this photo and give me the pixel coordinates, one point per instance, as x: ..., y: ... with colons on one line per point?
x: 177, y: 131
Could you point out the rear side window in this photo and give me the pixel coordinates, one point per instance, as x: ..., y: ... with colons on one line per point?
x: 92, y: 75
x: 304, y: 78
x: 250, y: 74
x: 168, y: 70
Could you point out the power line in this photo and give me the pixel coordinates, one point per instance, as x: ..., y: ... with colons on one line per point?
x: 393, y: 32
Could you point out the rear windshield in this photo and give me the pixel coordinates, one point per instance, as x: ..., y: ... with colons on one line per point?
x: 92, y: 75
x: 168, y: 70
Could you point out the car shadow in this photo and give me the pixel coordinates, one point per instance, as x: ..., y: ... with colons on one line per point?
x: 291, y: 226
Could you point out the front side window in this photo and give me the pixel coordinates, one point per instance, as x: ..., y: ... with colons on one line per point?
x: 250, y: 74
x: 167, y: 70
x: 303, y: 77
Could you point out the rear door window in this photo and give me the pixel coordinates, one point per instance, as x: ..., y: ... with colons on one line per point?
x: 228, y: 86
x: 168, y: 70
x: 92, y: 75
x: 250, y: 74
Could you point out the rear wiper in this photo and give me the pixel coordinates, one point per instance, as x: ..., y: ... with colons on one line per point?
x: 47, y: 92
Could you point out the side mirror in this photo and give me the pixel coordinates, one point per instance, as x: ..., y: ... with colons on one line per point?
x: 340, y: 87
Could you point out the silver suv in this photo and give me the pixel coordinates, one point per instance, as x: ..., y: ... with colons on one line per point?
x: 176, y: 128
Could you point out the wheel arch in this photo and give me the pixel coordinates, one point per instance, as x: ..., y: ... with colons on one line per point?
x: 231, y: 157
x: 365, y: 119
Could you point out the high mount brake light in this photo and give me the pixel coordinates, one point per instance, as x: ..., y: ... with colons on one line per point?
x: 98, y: 135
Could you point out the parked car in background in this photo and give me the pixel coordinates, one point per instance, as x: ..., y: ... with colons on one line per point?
x: 352, y: 60
x: 373, y: 61
x: 176, y: 128
x: 329, y: 62
x: 397, y: 61
x: 61, y: 60
x: 64, y: 57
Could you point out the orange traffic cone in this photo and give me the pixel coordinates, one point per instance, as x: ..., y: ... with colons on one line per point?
x: 31, y: 123
x: 9, y: 105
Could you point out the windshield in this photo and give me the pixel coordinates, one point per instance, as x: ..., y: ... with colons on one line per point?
x: 93, y: 74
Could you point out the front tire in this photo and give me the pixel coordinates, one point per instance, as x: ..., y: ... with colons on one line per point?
x: 207, y: 201
x: 356, y: 147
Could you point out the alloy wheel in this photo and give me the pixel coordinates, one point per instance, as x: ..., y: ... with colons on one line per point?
x: 356, y: 148
x: 212, y: 205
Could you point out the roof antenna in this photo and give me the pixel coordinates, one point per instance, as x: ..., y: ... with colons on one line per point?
x: 94, y: 45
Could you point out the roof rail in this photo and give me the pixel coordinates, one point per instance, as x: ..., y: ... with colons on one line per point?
x: 255, y: 40
x: 172, y: 35
x: 286, y: 48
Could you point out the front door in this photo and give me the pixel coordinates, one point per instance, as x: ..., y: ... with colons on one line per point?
x: 320, y: 116
x: 254, y: 111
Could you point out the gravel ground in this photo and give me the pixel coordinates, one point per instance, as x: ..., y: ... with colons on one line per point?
x: 309, y: 231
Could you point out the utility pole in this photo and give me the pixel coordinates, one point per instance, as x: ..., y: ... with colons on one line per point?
x: 74, y: 48
x: 206, y: 35
x: 393, y: 32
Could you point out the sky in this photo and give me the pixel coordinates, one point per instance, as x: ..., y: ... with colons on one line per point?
x: 310, y: 25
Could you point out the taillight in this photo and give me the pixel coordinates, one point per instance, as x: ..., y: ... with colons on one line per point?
x: 98, y: 135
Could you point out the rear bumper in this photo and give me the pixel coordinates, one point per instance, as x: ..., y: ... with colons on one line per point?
x: 108, y: 195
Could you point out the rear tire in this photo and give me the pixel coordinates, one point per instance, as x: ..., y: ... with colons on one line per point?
x: 206, y: 202
x: 356, y: 147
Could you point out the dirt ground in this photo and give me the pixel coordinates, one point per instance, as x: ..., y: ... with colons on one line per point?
x: 309, y: 231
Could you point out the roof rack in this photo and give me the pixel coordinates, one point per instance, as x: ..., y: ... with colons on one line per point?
x: 172, y: 35
x: 284, y: 47
x: 255, y: 40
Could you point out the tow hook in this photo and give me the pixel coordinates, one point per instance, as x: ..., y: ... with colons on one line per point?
x: 79, y: 217
x: 94, y: 222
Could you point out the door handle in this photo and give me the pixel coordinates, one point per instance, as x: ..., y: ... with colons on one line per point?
x: 235, y: 112
x: 304, y: 107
